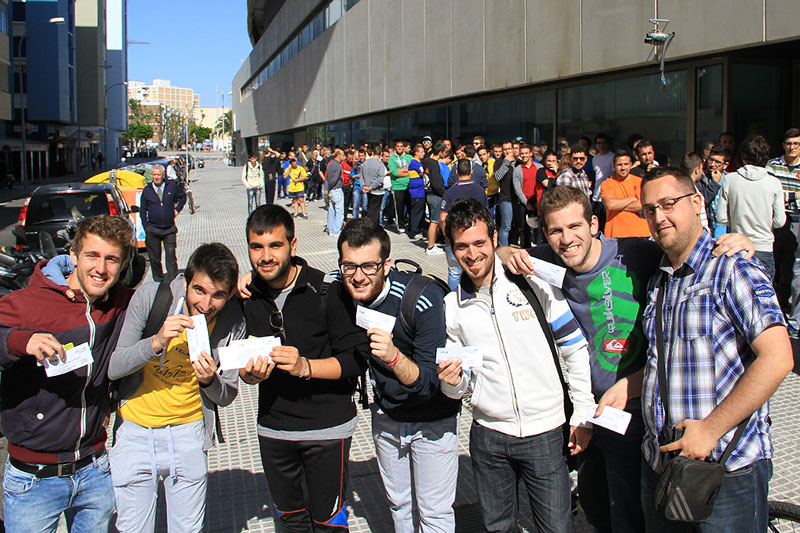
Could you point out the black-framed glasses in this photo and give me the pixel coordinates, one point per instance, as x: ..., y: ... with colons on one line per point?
x: 369, y: 269
x: 276, y: 323
x: 666, y: 206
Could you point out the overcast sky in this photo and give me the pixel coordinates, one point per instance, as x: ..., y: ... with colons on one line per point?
x: 197, y: 44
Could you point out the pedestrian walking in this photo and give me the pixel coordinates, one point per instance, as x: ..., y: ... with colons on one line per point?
x: 253, y: 180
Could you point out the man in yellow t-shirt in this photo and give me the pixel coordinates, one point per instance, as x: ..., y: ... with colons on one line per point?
x: 166, y: 421
x: 297, y: 176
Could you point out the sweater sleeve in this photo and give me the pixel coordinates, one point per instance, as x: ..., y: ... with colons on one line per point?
x: 223, y: 388
x: 517, y: 177
x: 132, y: 351
x: 572, y: 347
x: 778, y: 208
x: 722, y: 204
x: 180, y: 198
x: 453, y: 339
x: 429, y: 334
x: 348, y: 342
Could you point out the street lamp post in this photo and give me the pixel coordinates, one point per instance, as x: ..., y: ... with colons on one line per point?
x: 23, y: 105
x: 105, y: 118
x: 77, y: 112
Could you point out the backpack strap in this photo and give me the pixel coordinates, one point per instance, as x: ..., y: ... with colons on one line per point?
x: 159, y: 310
x: 408, y: 303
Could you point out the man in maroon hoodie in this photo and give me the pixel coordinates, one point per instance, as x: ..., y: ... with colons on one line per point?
x: 56, y: 424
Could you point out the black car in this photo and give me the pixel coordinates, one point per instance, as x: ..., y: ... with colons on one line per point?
x: 55, y: 208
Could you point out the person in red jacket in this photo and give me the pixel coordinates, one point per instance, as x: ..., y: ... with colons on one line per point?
x: 56, y: 424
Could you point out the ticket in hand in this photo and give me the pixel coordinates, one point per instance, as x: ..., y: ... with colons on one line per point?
x: 470, y: 356
x: 77, y: 357
x: 238, y: 353
x: 197, y: 337
x: 369, y: 318
x: 611, y: 418
x: 552, y: 274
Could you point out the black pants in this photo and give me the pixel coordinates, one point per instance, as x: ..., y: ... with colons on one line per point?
x: 374, y: 202
x: 320, y: 465
x: 348, y: 198
x: 518, y: 224
x: 401, y: 208
x: 783, y: 249
x: 154, y: 237
x: 417, y: 214
x: 269, y: 190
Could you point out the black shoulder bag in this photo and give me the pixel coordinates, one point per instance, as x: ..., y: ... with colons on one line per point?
x: 687, y: 487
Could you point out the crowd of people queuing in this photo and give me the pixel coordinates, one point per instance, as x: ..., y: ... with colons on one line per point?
x: 666, y: 311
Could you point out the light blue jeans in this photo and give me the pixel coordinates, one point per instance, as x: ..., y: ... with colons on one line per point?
x: 453, y: 268
x: 506, y: 212
x: 422, y: 453
x: 140, y: 456
x: 253, y: 199
x: 335, y: 211
x: 86, y: 498
x: 359, y: 202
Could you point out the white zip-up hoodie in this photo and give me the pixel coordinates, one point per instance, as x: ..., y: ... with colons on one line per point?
x: 517, y: 391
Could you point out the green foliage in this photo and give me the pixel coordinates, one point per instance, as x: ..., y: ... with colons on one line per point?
x: 200, y: 133
x: 140, y: 132
x: 226, y: 120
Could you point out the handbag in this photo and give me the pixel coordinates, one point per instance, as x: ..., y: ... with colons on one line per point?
x: 687, y: 488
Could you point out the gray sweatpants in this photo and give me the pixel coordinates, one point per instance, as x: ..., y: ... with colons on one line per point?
x: 140, y: 456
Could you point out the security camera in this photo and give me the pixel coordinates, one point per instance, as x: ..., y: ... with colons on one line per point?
x: 656, y: 37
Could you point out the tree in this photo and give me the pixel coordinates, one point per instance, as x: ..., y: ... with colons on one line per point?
x: 225, y: 120
x: 140, y: 132
x: 200, y: 133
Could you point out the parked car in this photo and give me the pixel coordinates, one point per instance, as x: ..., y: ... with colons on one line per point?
x: 52, y: 208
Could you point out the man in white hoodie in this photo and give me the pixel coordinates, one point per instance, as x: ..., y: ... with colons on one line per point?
x: 517, y: 396
x: 253, y: 180
x: 751, y: 201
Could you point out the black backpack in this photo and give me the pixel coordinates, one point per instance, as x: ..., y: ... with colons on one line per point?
x: 414, y: 289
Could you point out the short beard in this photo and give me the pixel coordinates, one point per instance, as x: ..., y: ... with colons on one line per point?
x: 283, y: 268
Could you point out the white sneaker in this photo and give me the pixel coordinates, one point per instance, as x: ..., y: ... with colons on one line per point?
x: 433, y: 251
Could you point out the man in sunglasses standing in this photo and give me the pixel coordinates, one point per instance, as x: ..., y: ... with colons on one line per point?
x: 414, y: 425
x: 306, y: 415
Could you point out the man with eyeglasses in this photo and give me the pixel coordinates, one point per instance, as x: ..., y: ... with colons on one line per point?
x: 414, y: 426
x: 306, y: 415
x: 715, y: 314
x: 575, y: 176
x: 718, y: 158
x: 787, y: 251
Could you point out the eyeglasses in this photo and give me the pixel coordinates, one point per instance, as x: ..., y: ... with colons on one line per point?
x: 476, y: 143
x: 276, y: 322
x: 369, y: 269
x: 791, y: 144
x: 578, y: 158
x: 716, y: 161
x: 666, y: 206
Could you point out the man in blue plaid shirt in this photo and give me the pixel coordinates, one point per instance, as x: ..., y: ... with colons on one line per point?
x: 726, y: 350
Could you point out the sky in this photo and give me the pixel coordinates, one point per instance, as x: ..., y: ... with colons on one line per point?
x: 197, y: 44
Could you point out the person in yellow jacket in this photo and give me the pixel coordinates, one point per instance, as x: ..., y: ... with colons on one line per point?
x: 297, y: 176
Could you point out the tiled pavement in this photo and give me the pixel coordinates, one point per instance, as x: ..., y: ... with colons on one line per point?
x: 238, y: 498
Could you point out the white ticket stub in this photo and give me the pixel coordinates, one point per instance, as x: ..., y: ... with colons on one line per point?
x: 552, y: 274
x: 77, y: 357
x: 238, y: 353
x: 197, y: 337
x: 369, y: 318
x: 611, y: 418
x: 470, y: 356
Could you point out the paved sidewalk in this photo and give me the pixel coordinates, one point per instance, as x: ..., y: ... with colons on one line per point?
x: 238, y: 498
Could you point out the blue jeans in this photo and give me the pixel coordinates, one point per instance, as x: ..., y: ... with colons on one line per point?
x: 86, y: 498
x: 609, y: 474
x: 335, y: 211
x: 741, y: 504
x: 453, y: 268
x: 387, y: 195
x: 499, y: 460
x: 767, y: 260
x: 359, y: 202
x: 253, y: 199
x: 281, y: 185
x: 506, y: 212
x: 418, y: 461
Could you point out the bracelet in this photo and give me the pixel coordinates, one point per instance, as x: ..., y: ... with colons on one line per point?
x: 306, y: 369
x: 394, y: 361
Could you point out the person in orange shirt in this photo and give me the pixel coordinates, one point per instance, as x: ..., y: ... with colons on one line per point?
x: 621, y: 194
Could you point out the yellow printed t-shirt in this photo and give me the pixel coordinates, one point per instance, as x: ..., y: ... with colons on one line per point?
x: 295, y: 176
x: 168, y: 395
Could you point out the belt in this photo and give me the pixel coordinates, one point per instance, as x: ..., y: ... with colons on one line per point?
x: 60, y: 469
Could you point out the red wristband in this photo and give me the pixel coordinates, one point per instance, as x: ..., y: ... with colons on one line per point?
x: 396, y: 358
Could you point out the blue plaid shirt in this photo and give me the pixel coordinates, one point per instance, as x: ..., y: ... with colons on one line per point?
x: 713, y: 310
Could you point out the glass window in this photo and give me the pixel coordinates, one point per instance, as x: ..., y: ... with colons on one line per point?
x: 629, y: 106
x: 4, y: 19
x: 370, y: 130
x: 759, y: 102
x: 413, y: 125
x: 340, y: 133
x: 529, y: 116
x: 708, y: 110
x: 334, y: 12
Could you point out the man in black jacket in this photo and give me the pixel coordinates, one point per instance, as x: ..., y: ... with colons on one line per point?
x: 160, y: 204
x: 414, y: 425
x: 306, y: 414
x: 434, y: 196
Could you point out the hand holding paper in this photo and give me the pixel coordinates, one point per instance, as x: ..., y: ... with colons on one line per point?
x: 470, y: 356
x: 197, y: 337
x: 369, y: 318
x: 76, y: 357
x: 238, y: 353
x: 611, y: 418
x: 552, y: 274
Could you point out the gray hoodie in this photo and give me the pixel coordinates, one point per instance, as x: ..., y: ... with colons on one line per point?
x: 750, y: 202
x: 133, y: 352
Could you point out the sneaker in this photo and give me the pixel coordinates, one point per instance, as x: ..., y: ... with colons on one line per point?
x: 334, y: 235
x: 433, y: 251
x: 304, y: 216
x: 401, y: 230
x: 295, y: 215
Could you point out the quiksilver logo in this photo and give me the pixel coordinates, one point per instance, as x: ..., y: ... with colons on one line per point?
x: 616, y: 345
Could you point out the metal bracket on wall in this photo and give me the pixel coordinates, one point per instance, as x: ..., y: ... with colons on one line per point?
x: 660, y: 40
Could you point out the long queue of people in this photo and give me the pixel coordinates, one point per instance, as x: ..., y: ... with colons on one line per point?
x: 680, y: 329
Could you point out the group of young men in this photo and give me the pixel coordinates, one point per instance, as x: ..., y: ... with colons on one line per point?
x: 548, y: 356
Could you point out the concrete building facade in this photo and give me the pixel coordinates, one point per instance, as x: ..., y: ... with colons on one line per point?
x: 163, y: 93
x: 346, y: 71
